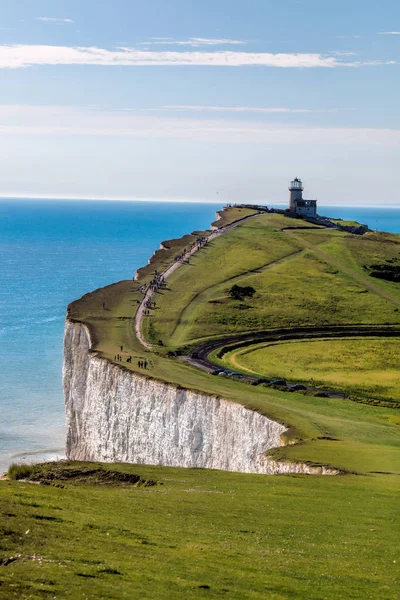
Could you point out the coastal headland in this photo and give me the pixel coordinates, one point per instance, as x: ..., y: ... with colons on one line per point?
x: 264, y: 345
x: 305, y: 277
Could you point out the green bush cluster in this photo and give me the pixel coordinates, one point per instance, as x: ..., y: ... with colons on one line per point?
x: 239, y: 293
x: 16, y: 471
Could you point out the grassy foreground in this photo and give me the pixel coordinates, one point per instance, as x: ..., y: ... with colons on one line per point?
x: 199, y: 534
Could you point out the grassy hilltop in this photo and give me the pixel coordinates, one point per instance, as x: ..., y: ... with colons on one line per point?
x: 170, y: 533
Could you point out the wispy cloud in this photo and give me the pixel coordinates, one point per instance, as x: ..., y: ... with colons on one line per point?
x: 19, y: 55
x: 244, y: 109
x: 389, y: 33
x: 194, y: 42
x: 99, y: 122
x: 343, y: 53
x: 54, y: 20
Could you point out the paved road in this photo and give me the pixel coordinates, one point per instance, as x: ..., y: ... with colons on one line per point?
x: 199, y: 357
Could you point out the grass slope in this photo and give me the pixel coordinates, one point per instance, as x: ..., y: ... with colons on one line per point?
x: 199, y: 534
x: 294, y: 285
x: 231, y: 215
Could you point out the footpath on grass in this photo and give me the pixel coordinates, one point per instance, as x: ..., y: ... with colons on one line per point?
x: 168, y: 272
x: 375, y: 288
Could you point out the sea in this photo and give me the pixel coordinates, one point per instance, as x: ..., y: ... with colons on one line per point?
x: 53, y: 252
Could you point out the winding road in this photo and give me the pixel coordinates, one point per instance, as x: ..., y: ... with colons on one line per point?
x: 199, y: 356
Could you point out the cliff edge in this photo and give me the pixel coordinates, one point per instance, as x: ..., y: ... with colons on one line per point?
x: 115, y: 415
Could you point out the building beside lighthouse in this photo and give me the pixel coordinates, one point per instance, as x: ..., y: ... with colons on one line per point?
x: 297, y: 204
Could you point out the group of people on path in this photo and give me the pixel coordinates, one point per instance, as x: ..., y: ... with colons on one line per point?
x: 158, y: 282
x: 142, y: 364
x: 200, y: 242
x: 181, y: 257
x: 150, y: 304
x: 119, y: 358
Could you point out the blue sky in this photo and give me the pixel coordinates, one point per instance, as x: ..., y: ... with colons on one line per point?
x: 211, y: 100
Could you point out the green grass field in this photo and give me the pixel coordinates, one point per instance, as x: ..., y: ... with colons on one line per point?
x: 362, y: 366
x: 345, y: 223
x: 200, y: 533
x: 226, y: 217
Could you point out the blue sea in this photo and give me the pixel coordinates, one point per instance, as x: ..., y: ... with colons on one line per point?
x: 53, y: 252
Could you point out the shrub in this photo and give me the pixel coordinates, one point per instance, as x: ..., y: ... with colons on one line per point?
x: 20, y: 471
x: 239, y: 293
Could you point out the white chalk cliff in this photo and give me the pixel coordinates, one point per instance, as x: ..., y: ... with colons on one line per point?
x: 115, y: 415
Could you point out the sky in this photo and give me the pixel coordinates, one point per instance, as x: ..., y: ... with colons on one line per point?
x: 218, y: 100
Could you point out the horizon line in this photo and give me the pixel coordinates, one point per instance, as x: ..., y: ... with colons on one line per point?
x: 183, y: 201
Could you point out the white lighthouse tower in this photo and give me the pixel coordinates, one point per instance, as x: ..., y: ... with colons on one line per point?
x: 296, y: 193
x: 297, y: 204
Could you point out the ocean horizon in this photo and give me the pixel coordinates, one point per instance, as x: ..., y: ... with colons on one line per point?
x: 53, y: 252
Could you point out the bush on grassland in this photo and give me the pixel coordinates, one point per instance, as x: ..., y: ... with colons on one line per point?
x: 20, y: 471
x: 238, y: 293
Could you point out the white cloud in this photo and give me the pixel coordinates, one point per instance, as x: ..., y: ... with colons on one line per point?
x: 83, y: 121
x: 374, y: 63
x: 389, y: 33
x: 54, y: 20
x: 244, y: 109
x: 194, y: 42
x: 19, y: 55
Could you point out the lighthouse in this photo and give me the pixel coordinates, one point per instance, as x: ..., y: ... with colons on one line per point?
x: 297, y: 204
x: 296, y: 193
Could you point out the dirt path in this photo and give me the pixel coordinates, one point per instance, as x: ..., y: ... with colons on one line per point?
x: 233, y: 359
x: 363, y: 280
x: 168, y: 272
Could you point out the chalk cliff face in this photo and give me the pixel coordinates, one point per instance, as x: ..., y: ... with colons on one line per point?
x: 114, y: 415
